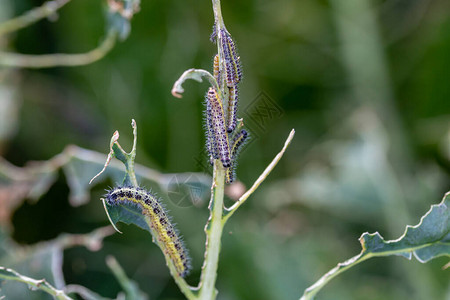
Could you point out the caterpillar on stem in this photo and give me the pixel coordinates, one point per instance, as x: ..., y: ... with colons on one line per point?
x: 211, y: 145
x: 232, y: 108
x: 218, y: 125
x: 216, y: 69
x: 233, y: 71
x: 238, y: 141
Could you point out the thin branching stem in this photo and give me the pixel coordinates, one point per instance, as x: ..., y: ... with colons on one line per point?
x: 230, y: 211
x: 41, y: 284
x: 132, y: 156
x: 8, y: 59
x: 32, y: 16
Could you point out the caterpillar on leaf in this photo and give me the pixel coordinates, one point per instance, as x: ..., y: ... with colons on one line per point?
x: 162, y: 227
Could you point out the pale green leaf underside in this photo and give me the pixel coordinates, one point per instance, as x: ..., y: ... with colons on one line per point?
x: 195, y: 74
x: 128, y: 214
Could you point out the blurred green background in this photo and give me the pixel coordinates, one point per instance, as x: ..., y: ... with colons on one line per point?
x: 364, y: 83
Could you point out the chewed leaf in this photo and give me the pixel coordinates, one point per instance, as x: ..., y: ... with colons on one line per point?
x: 427, y: 240
x: 195, y: 74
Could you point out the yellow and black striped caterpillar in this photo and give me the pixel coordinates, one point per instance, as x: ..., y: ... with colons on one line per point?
x: 165, y: 231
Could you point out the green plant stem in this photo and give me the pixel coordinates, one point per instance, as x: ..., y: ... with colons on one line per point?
x: 342, y: 267
x: 84, y: 292
x: 132, y: 156
x: 32, y: 16
x: 218, y: 14
x: 214, y: 226
x: 42, y: 284
x: 213, y: 230
x: 58, y: 59
x: 311, y: 292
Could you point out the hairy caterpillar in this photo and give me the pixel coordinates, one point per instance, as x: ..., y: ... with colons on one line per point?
x: 211, y: 144
x: 238, y: 141
x: 213, y: 36
x: 232, y: 62
x: 218, y: 125
x: 216, y: 69
x: 232, y: 108
x: 160, y: 223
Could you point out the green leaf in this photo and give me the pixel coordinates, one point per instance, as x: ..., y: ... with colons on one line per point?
x: 128, y: 214
x: 427, y: 240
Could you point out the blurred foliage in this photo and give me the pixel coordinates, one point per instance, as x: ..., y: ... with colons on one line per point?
x: 364, y: 84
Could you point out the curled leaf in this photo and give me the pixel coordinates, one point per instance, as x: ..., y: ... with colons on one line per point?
x: 195, y: 74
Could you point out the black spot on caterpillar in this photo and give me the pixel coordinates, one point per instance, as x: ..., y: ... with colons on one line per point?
x: 160, y: 223
x: 218, y: 125
x: 238, y: 141
x: 232, y: 62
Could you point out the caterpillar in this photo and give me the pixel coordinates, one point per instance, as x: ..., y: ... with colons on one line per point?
x: 238, y: 141
x: 211, y: 145
x: 232, y: 61
x: 216, y: 69
x: 232, y: 108
x: 213, y: 36
x: 161, y: 224
x: 218, y: 125
x: 230, y: 174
